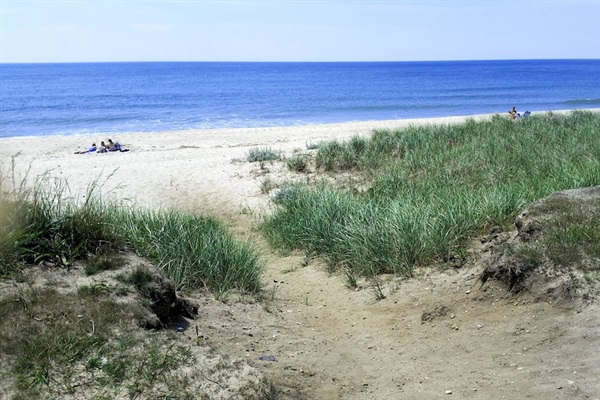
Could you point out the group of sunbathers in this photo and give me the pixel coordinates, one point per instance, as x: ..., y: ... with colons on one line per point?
x: 513, y: 114
x: 104, y: 148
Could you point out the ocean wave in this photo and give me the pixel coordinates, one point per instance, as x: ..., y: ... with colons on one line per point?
x: 582, y: 101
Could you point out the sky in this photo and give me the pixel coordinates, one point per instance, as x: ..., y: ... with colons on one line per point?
x: 297, y: 30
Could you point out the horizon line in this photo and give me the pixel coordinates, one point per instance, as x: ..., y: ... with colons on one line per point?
x: 294, y: 62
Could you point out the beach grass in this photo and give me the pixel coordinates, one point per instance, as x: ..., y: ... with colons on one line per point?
x: 44, y: 225
x: 41, y: 225
x: 194, y: 251
x: 425, y: 190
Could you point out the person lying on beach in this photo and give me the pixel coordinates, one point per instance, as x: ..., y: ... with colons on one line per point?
x: 88, y: 150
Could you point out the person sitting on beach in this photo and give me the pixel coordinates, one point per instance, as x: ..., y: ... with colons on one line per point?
x: 88, y: 150
x: 513, y: 114
x: 113, y: 146
x: 102, y: 148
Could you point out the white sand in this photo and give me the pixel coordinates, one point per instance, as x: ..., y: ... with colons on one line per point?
x: 199, y: 170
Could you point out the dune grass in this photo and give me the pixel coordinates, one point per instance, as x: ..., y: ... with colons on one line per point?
x: 194, y: 251
x: 44, y: 225
x: 430, y: 188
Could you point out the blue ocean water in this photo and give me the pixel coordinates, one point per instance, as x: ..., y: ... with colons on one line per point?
x: 48, y: 99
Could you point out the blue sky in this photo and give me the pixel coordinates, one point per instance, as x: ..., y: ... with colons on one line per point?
x: 297, y: 30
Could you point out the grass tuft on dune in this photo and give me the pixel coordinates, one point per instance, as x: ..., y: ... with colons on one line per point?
x: 44, y: 225
x: 425, y: 190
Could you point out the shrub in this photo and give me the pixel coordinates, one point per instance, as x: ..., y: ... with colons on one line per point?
x: 312, y: 146
x: 262, y: 154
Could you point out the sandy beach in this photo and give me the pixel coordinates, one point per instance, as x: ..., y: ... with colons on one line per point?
x: 203, y: 171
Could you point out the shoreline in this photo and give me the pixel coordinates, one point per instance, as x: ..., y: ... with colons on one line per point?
x: 198, y: 170
x: 225, y: 130
x: 376, y: 123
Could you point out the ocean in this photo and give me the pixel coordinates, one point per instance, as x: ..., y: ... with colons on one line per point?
x: 81, y: 98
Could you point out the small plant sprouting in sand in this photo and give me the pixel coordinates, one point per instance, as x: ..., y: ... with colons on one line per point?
x: 377, y: 287
x: 305, y: 261
x: 288, y: 270
x: 267, y: 297
x: 351, y: 282
x: 93, y: 290
x: 312, y: 146
x: 267, y: 185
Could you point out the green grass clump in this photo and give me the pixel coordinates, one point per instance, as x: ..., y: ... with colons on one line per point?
x: 194, y: 251
x: 139, y: 278
x: 432, y: 187
x: 94, y: 290
x: 262, y: 154
x: 267, y: 185
x: 44, y: 225
x: 359, y: 153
